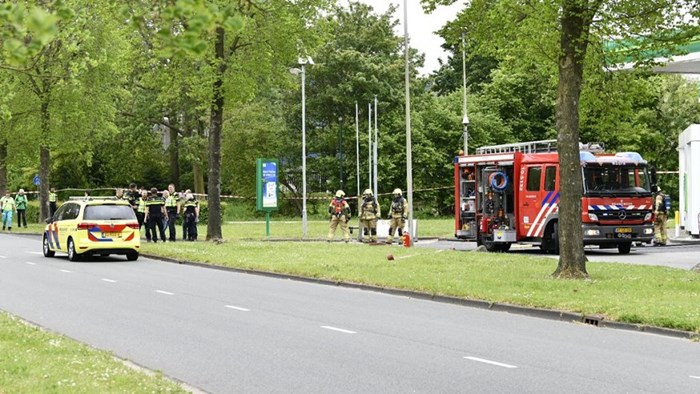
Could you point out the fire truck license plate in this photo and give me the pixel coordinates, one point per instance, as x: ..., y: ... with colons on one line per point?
x: 624, y: 230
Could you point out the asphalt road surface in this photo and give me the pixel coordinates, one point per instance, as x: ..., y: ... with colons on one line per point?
x: 684, y: 256
x: 227, y: 332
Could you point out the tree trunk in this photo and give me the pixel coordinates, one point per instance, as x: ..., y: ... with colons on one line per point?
x: 575, y: 25
x: 44, y: 160
x: 174, y: 153
x: 217, y: 115
x: 198, y: 176
x: 3, y: 167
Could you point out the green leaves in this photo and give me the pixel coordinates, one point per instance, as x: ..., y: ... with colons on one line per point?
x: 25, y: 31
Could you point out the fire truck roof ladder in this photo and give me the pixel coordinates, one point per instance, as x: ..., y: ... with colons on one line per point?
x: 524, y: 147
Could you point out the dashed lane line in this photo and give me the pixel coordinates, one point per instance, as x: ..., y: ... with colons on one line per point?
x: 238, y: 308
x: 109, y: 280
x: 496, y: 363
x: 339, y: 330
x: 41, y: 253
x: 30, y: 263
x: 164, y: 292
x: 3, y: 257
x: 66, y: 271
x: 694, y: 377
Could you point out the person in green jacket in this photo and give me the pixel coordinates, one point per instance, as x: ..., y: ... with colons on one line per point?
x: 21, y: 205
x: 8, y: 208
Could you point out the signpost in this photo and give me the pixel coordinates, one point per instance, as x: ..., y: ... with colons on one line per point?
x: 267, y: 190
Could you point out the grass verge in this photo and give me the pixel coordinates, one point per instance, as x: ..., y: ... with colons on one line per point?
x: 37, y: 361
x: 658, y: 296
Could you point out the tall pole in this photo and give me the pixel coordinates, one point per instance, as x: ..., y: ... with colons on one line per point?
x: 357, y: 148
x: 409, y: 156
x: 304, y: 223
x: 376, y: 144
x: 340, y: 151
x: 369, y: 128
x: 465, y: 119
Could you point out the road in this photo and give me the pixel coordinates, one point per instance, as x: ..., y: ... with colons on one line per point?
x: 684, y: 256
x: 227, y: 332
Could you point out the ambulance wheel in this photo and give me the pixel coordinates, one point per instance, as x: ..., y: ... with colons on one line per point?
x: 624, y: 248
x: 45, y: 246
x: 72, y: 255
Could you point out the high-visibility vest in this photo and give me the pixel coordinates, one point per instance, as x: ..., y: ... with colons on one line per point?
x: 171, y: 202
x: 142, y: 206
x: 52, y: 197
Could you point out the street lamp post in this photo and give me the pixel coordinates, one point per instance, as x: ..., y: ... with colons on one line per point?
x: 409, y: 157
x: 465, y: 119
x: 303, y: 62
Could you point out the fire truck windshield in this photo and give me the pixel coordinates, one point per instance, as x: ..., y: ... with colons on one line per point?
x: 616, y: 180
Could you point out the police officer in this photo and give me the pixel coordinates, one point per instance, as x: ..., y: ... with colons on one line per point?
x: 155, y: 213
x: 172, y: 206
x: 397, y: 215
x: 661, y: 212
x: 339, y: 212
x: 141, y: 213
x: 132, y: 195
x: 191, y: 210
x: 53, y: 198
x: 369, y: 214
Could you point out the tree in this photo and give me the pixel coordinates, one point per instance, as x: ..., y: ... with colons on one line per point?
x: 64, y: 56
x: 532, y: 29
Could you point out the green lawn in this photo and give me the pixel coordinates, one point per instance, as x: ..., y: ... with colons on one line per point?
x: 36, y: 361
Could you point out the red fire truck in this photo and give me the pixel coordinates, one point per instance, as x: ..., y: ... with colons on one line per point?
x: 509, y: 194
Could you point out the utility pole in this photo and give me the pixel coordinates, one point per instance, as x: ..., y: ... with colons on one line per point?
x: 376, y: 144
x: 465, y: 119
x: 357, y: 149
x: 409, y: 156
x: 369, y: 127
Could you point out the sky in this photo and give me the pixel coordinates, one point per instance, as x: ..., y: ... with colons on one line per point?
x: 421, y: 27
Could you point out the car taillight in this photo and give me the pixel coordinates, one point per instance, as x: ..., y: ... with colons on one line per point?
x: 135, y: 226
x: 86, y: 226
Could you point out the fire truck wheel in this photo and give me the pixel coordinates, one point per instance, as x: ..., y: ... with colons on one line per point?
x: 554, y: 243
x: 624, y: 248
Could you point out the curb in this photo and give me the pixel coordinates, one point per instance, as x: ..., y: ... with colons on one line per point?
x: 549, y: 314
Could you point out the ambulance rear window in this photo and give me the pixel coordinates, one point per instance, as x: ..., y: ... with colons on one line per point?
x: 109, y: 212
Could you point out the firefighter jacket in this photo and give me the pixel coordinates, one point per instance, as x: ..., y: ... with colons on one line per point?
x: 339, y: 207
x: 370, y: 209
x: 660, y: 204
x: 399, y: 208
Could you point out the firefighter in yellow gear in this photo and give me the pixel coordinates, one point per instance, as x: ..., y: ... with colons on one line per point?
x: 339, y: 212
x: 661, y: 212
x: 370, y: 212
x: 397, y: 215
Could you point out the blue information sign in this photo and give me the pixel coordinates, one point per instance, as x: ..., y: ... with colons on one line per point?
x: 36, y: 180
x: 269, y: 179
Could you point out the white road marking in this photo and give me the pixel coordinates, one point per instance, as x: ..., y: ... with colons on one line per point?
x: 164, y: 292
x: 238, y: 308
x: 3, y: 257
x: 65, y: 271
x: 338, y: 329
x: 36, y: 253
x: 30, y: 263
x: 481, y: 360
x: 694, y: 377
x: 109, y: 280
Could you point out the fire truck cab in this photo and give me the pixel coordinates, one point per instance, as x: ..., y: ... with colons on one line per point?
x: 509, y: 194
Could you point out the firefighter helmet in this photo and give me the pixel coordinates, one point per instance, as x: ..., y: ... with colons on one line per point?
x: 340, y: 194
x: 397, y: 192
x: 367, y: 193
